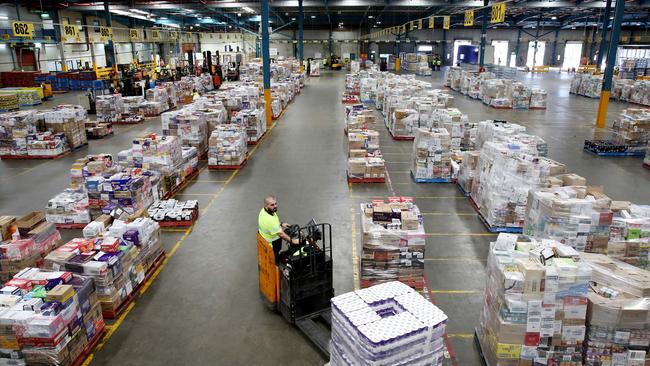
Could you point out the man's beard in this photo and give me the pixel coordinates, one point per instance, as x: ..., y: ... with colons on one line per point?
x: 271, y: 211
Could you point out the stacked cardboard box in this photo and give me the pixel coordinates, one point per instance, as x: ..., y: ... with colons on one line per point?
x: 497, y: 92
x: 468, y: 170
x: 109, y: 107
x: 619, y: 313
x: 366, y: 167
x: 358, y: 117
x: 632, y: 127
x: 69, y: 120
x: 404, y: 122
x: 96, y: 129
x: 535, y: 303
x: 575, y: 215
x: 538, y: 99
x: 33, y: 239
x: 191, y: 128
x: 462, y: 132
x: 432, y: 154
x: 362, y: 143
x: 227, y: 145
x: 69, y: 207
x: 131, y: 109
x: 507, y: 171
x: 9, y: 101
x: 387, y: 324
x: 520, y: 95
x: 629, y: 239
x: 253, y: 120
x: 14, y: 129
x: 393, y: 242
x: 492, y: 130
x: 117, y: 261
x: 50, y: 318
x: 46, y: 144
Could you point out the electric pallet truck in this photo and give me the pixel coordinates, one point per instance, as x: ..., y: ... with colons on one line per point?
x: 300, y: 285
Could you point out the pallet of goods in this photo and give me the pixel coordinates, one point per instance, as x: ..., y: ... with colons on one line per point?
x: 22, y: 137
x: 535, y: 303
x: 646, y: 159
x: 68, y: 119
x: 359, y: 117
x: 629, y: 235
x: 173, y: 213
x: 227, y: 147
x: 191, y: 128
x: 98, y: 130
x: 393, y: 242
x: 365, y: 162
x: 431, y: 156
x: 389, y: 323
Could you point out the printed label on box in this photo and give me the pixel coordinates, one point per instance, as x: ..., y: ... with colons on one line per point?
x: 529, y: 352
x: 508, y: 350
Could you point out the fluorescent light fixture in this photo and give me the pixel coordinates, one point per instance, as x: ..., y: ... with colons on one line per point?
x: 293, y: 18
x: 37, y: 45
x: 173, y: 25
x: 191, y: 27
x: 248, y: 9
x: 554, y: 18
x: 370, y: 17
x: 611, y: 18
x: 378, y: 22
x: 573, y: 27
x: 238, y: 14
x: 163, y: 18
x: 45, y: 16
x: 129, y: 14
x: 230, y: 26
x: 139, y: 11
x: 313, y: 17
x: 197, y: 24
x: 4, y: 17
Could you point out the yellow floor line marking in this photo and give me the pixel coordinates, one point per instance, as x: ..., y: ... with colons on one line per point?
x: 207, y: 181
x: 192, y: 194
x: 456, y: 292
x: 449, y: 214
x: 461, y: 234
x: 114, y: 326
x: 355, y: 256
x: 24, y: 171
x: 461, y: 335
x: 169, y: 230
x: 450, y: 259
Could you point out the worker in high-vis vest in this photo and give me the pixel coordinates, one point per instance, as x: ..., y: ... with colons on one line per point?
x: 270, y: 227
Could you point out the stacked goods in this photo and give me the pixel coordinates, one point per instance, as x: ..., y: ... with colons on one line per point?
x: 358, y: 117
x: 253, y: 121
x: 632, y: 127
x: 190, y: 161
x: 367, y: 89
x: 352, y: 83
x: 191, y: 128
x: 109, y: 107
x: 387, y: 324
x: 619, y: 313
x: 172, y: 99
x: 629, y: 238
x: 14, y: 129
x: 50, y: 318
x: 366, y: 168
x: 159, y: 153
x: 393, y: 243
x: 640, y: 92
x: 96, y: 129
x: 363, y: 143
x: 425, y: 111
x: 69, y: 207
x: 497, y: 93
x: 227, y: 146
x: 89, y: 166
x: 538, y: 99
x: 314, y: 68
x: 462, y: 132
x: 621, y: 89
x: 404, y: 122
x: 454, y: 77
x: 126, y: 251
x: 131, y: 109
x: 8, y: 101
x: 574, y: 215
x: 587, y: 84
x: 69, y: 120
x: 44, y: 144
x: 492, y: 130
x: 468, y: 170
x: 423, y: 69
x: 184, y: 90
x: 171, y: 211
x: 431, y: 155
x: 24, y: 242
x: 506, y: 172
x: 26, y: 97
x: 535, y: 303
x: 129, y: 191
x: 520, y: 96
x: 157, y: 102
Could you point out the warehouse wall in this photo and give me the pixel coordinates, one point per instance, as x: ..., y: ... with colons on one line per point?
x: 278, y: 42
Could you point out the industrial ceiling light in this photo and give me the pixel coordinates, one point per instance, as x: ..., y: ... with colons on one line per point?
x: 163, y: 18
x: 238, y: 14
x: 45, y: 16
x: 248, y: 9
x: 313, y: 17
x: 293, y: 18
x: 554, y: 18
x: 370, y: 17
x: 573, y: 27
x: 378, y: 22
x: 3, y: 17
x: 139, y: 11
x: 197, y: 24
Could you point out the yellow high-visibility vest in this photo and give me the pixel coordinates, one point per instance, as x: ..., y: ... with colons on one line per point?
x: 269, y: 226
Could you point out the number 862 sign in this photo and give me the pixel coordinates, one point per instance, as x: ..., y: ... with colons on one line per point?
x: 22, y: 29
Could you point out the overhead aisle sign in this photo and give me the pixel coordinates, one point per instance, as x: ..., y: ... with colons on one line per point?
x: 71, y: 33
x: 498, y: 14
x: 469, y: 18
x: 105, y: 33
x: 22, y: 29
x: 431, y: 23
x: 445, y: 22
x: 134, y: 34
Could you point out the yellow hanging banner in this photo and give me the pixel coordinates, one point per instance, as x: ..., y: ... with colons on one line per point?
x: 431, y: 23
x: 155, y: 34
x: 105, y: 33
x: 70, y: 33
x: 469, y: 18
x: 22, y: 29
x: 173, y: 35
x: 419, y: 23
x: 445, y: 22
x: 403, y: 28
x: 134, y: 34
x: 412, y: 24
x: 498, y: 13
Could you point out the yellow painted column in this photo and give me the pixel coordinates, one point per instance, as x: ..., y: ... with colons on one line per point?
x: 601, y: 118
x: 267, y: 107
x: 398, y: 65
x: 302, y: 67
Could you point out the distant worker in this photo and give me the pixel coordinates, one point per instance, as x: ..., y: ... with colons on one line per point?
x: 308, y: 67
x: 270, y: 227
x: 195, y: 95
x: 437, y: 63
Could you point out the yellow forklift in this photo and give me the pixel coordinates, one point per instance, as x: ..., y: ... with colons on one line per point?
x: 299, y: 286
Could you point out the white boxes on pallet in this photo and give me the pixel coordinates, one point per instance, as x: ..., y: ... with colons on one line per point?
x: 109, y: 107
x: 431, y: 155
x: 387, y: 324
x: 227, y: 146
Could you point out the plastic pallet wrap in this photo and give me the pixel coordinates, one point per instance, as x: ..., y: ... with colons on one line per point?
x: 69, y: 120
x: 228, y: 145
x: 431, y: 154
x: 109, y: 107
x: 68, y: 207
x: 191, y: 128
x: 468, y: 170
x: 366, y: 168
x: 387, y: 324
x: 393, y: 243
x: 629, y: 239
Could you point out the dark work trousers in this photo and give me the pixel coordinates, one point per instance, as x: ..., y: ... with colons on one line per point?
x: 277, y: 247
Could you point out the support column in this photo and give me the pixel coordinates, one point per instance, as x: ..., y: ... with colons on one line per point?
x: 611, y: 62
x: 91, y: 45
x: 266, y: 61
x: 603, y: 35
x: 329, y: 41
x: 294, y: 47
x: 539, y: 19
x: 484, y: 24
x: 398, y: 61
x: 592, y: 44
x: 64, y: 67
x: 301, y: 25
x: 517, y: 47
x: 444, y: 47
x: 554, y: 55
x: 109, y: 48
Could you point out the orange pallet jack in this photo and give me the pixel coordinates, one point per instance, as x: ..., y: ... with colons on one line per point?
x: 300, y: 286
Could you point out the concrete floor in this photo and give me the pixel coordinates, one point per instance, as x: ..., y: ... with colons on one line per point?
x: 204, y: 307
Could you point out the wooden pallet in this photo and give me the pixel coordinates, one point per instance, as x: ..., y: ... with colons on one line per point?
x: 365, y: 180
x: 490, y: 228
x: 252, y: 143
x: 89, y: 348
x: 401, y: 138
x: 114, y: 314
x: 228, y: 167
x: 623, y: 153
x: 186, y: 223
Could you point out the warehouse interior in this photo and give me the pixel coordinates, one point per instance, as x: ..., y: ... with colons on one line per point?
x: 483, y: 169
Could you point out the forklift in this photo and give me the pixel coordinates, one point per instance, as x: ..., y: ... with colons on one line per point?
x: 211, y: 68
x: 299, y: 286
